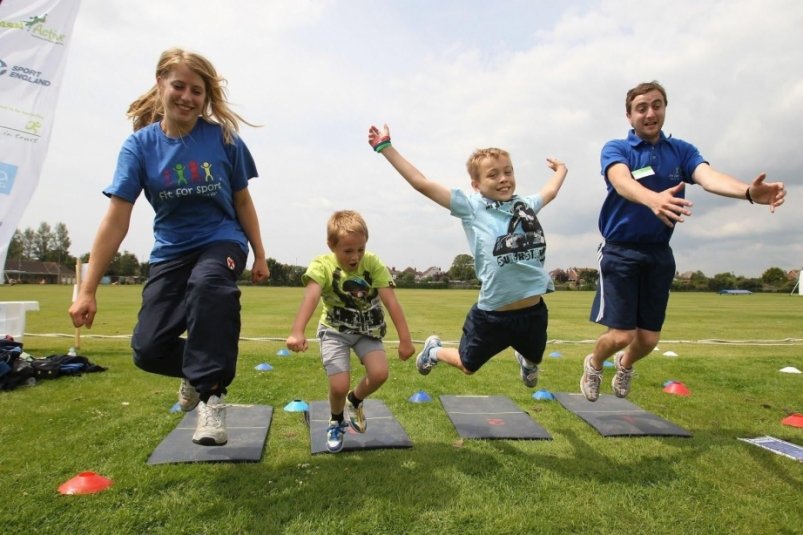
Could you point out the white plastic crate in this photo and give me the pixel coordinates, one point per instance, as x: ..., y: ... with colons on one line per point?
x: 12, y: 317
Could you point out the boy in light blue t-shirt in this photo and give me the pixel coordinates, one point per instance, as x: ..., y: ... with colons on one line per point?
x: 509, y: 249
x: 353, y: 285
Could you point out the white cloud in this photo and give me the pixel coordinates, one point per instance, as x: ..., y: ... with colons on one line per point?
x: 537, y: 78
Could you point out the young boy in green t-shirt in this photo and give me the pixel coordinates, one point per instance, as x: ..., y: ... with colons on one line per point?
x: 354, y: 284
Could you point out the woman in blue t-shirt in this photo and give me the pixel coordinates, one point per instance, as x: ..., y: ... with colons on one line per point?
x: 193, y: 168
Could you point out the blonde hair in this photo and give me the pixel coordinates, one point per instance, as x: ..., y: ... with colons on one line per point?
x: 148, y: 108
x: 345, y: 222
x: 473, y: 163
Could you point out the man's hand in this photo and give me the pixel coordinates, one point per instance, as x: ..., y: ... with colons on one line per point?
x: 771, y: 193
x: 669, y: 208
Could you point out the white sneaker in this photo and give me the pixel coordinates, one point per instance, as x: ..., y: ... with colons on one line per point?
x: 188, y: 397
x: 621, y: 381
x: 590, y: 381
x: 334, y: 435
x: 211, y: 427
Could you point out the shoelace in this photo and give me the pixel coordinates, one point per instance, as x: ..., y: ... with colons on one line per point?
x: 335, y: 432
x: 623, y: 376
x: 211, y: 415
x: 591, y: 372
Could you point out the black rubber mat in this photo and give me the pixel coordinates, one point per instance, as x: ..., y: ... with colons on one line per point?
x: 491, y: 417
x: 247, y: 427
x: 617, y: 417
x: 382, y: 430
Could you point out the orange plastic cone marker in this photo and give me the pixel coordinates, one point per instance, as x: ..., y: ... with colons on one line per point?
x: 795, y: 420
x: 85, y: 483
x: 678, y: 389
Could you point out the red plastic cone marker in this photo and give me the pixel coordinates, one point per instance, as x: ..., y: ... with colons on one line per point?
x: 795, y: 420
x: 678, y: 389
x: 85, y: 483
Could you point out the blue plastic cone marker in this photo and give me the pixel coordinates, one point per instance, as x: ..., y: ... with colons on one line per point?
x: 555, y: 354
x: 175, y: 408
x: 543, y: 395
x: 264, y: 367
x: 283, y: 353
x: 608, y: 364
x: 296, y: 406
x: 420, y: 397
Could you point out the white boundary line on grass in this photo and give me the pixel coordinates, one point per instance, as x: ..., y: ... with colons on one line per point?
x: 712, y: 341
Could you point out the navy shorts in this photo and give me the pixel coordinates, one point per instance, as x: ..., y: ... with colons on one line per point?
x: 488, y: 332
x: 634, y: 284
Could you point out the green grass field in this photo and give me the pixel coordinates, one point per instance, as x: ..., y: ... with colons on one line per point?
x: 730, y: 350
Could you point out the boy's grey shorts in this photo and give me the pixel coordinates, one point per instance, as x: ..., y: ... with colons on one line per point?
x: 336, y: 349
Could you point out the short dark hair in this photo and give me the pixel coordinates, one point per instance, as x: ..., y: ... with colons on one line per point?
x: 642, y: 88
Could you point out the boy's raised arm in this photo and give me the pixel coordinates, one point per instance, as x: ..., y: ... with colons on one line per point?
x: 551, y: 188
x: 380, y: 141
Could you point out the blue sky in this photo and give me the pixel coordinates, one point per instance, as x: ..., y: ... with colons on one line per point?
x: 538, y: 78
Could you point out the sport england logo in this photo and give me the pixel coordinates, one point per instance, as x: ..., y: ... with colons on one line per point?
x: 23, y: 73
x: 8, y: 173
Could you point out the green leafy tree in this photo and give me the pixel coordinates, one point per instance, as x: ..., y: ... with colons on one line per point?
x: 752, y: 284
x: 60, y: 251
x: 588, y: 279
x: 462, y: 268
x: 722, y: 281
x: 124, y: 264
x: 43, y: 242
x: 406, y: 279
x: 28, y: 244
x: 774, y: 277
x: 16, y: 247
x: 699, y: 281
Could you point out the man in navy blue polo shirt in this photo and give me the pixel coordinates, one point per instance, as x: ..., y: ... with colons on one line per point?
x: 645, y: 176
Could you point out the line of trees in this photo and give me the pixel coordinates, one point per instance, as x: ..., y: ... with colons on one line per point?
x: 45, y: 244
x: 52, y: 244
x: 773, y: 279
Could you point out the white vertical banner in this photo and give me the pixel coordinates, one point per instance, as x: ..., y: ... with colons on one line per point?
x: 34, y: 35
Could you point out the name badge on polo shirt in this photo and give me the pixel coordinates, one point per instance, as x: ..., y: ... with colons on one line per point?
x: 638, y: 174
